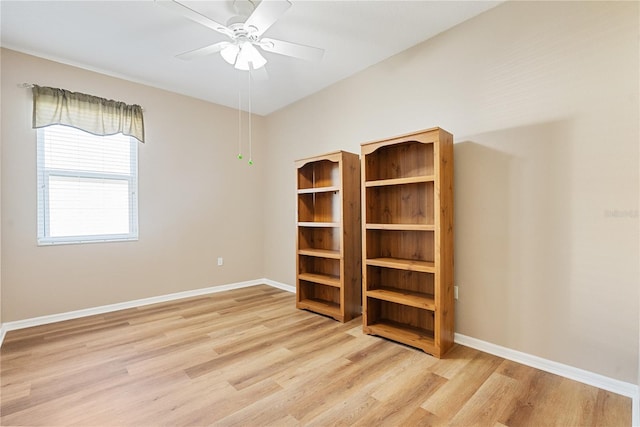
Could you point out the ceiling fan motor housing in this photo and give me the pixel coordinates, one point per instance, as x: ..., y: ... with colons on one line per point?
x: 242, y: 32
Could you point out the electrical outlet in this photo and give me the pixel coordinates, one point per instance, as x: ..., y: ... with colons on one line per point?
x: 455, y: 292
x: 220, y: 261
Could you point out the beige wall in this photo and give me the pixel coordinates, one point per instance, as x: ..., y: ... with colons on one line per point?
x: 1, y: 321
x: 542, y: 99
x: 196, y: 201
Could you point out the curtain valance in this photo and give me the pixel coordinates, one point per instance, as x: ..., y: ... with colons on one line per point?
x: 92, y: 114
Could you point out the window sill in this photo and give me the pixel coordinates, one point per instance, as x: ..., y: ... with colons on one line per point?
x: 84, y: 240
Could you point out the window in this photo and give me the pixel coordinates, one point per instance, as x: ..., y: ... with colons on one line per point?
x: 87, y: 186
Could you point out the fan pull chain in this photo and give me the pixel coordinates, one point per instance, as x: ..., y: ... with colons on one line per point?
x: 239, y: 121
x: 250, y: 132
x: 240, y: 156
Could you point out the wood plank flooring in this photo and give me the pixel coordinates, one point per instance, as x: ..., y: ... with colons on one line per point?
x: 247, y: 357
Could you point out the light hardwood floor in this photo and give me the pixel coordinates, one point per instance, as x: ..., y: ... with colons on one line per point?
x: 248, y: 357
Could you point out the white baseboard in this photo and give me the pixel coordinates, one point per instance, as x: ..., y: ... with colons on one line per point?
x: 580, y: 375
x: 43, y: 320
x: 3, y: 332
x: 279, y: 285
x: 586, y: 377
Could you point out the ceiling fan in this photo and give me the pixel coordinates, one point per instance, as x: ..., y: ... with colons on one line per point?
x: 245, y: 34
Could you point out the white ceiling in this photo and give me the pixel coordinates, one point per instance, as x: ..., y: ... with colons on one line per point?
x: 138, y: 41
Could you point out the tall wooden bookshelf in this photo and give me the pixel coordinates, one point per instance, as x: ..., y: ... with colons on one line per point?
x: 407, y: 227
x: 328, y: 259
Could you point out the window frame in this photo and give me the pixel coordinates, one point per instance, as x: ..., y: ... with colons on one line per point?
x: 43, y: 209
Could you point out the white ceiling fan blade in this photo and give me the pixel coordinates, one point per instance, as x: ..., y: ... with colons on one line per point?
x: 295, y: 50
x: 203, y: 51
x: 195, y: 16
x: 266, y: 13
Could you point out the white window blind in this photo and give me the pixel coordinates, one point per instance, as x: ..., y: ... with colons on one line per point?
x: 87, y: 186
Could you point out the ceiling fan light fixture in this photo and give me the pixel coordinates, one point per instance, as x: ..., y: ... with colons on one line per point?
x: 230, y: 53
x: 249, y: 57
